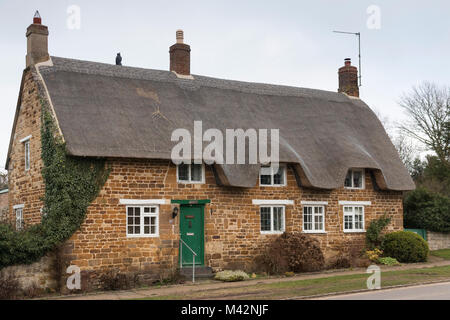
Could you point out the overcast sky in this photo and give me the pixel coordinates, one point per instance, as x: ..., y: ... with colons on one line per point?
x: 280, y: 42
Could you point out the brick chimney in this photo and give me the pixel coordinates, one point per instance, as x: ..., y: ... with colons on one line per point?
x: 37, y: 42
x: 180, y: 56
x: 348, y: 79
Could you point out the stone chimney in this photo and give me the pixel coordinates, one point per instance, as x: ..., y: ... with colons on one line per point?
x: 37, y: 42
x: 348, y: 79
x: 180, y: 56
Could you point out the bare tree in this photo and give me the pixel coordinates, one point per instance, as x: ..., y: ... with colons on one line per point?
x: 407, y: 151
x: 428, y: 106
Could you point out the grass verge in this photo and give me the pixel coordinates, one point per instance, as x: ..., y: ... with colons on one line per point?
x: 310, y: 287
x: 443, y: 253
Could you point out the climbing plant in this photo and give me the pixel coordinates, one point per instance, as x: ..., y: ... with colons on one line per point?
x: 71, y: 184
x: 374, y: 236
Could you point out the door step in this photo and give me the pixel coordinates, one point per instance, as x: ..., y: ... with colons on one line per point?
x: 200, y: 272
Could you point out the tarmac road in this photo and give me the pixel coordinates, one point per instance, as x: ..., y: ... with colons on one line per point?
x: 437, y: 291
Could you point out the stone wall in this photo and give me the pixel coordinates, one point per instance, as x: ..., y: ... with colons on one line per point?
x: 39, y: 275
x: 27, y: 186
x: 438, y: 240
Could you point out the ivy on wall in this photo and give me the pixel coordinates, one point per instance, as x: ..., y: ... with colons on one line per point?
x: 71, y: 184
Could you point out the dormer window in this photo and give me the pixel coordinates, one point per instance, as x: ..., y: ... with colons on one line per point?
x: 354, y: 179
x: 191, y: 173
x: 272, y: 175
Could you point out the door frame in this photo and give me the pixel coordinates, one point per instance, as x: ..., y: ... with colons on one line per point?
x: 199, y: 204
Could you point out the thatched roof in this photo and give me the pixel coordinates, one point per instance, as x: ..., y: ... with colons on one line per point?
x: 115, y: 111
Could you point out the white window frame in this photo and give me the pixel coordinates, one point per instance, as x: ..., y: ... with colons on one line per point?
x: 272, y: 231
x: 363, y: 179
x: 190, y: 178
x: 353, y: 214
x: 313, y: 215
x: 141, y: 224
x: 27, y: 150
x: 19, y: 219
x: 272, y: 174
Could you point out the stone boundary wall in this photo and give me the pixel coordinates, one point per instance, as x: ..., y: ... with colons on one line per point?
x: 438, y: 240
x: 39, y: 275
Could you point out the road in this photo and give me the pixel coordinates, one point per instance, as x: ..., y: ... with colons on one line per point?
x: 437, y: 291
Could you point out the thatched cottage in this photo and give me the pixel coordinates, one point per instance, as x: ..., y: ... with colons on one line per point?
x: 339, y: 169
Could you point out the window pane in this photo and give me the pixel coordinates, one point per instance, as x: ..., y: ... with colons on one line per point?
x: 153, y: 221
x: 265, y: 219
x: 278, y: 178
x: 266, y: 180
x: 137, y: 230
x: 183, y: 172
x: 348, y: 222
x: 319, y: 223
x: 146, y: 230
x: 359, y: 218
x: 130, y: 212
x: 130, y: 220
x: 357, y: 179
x: 278, y: 219
x: 307, y: 218
x: 137, y: 212
x: 146, y: 220
x: 196, y: 172
x: 265, y: 176
x: 146, y: 210
x: 130, y: 230
x: 348, y: 179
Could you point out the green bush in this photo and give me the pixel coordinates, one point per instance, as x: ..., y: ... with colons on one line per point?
x: 292, y: 252
x: 405, y: 246
x: 388, y: 261
x: 424, y: 209
x: 231, y: 276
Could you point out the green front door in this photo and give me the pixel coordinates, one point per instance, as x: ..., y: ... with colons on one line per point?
x: 192, y: 233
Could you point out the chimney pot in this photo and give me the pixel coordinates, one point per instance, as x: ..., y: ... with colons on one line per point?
x: 180, y: 56
x: 180, y: 36
x: 37, y: 18
x: 348, y: 79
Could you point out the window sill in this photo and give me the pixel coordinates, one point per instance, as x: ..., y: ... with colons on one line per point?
x: 271, y: 232
x: 349, y: 188
x: 315, y: 232
x: 142, y: 236
x: 354, y: 231
x: 272, y: 185
x: 191, y: 182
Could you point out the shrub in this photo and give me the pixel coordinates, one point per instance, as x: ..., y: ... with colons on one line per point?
x: 293, y: 252
x: 405, y: 246
x: 340, y: 262
x: 374, y: 255
x: 427, y: 210
x: 374, y: 237
x: 388, y: 261
x: 231, y: 276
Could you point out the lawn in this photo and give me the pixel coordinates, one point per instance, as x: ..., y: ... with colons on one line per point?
x: 443, y: 253
x: 308, y: 287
